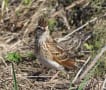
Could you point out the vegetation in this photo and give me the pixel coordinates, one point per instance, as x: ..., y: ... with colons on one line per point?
x: 15, y: 57
x: 78, y: 26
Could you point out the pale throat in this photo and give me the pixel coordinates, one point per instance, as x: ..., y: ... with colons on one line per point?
x: 44, y: 37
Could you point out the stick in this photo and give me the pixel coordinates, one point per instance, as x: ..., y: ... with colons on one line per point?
x: 104, y: 84
x: 76, y: 30
x: 94, y: 61
x: 79, y: 72
x: 79, y: 28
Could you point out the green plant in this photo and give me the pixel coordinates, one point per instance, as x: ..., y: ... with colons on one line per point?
x: 52, y: 23
x: 87, y: 77
x: 14, y: 78
x: 101, y: 69
x: 88, y: 46
x: 30, y: 55
x: 27, y: 2
x: 13, y: 57
x: 4, y: 6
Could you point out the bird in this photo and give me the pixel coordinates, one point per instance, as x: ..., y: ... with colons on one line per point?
x: 48, y: 51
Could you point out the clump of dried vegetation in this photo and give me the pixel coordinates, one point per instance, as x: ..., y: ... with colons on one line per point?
x: 78, y: 26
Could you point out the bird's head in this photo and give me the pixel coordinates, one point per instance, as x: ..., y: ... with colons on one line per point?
x: 41, y: 28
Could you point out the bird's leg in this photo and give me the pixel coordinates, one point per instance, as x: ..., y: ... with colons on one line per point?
x: 55, y: 75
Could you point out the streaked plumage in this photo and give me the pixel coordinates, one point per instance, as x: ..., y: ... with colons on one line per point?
x: 49, y: 53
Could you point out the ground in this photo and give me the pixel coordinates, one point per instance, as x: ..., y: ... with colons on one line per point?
x: 18, y: 21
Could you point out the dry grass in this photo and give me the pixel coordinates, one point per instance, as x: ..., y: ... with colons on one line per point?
x: 17, y: 24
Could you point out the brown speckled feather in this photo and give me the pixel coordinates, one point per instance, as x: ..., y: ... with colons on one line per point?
x: 54, y: 52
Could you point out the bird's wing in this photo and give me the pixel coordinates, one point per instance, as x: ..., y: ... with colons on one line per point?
x: 54, y: 52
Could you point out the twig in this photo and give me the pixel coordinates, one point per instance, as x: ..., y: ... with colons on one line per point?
x: 53, y: 77
x: 38, y: 76
x: 7, y: 79
x: 26, y: 76
x: 79, y: 28
x: 54, y: 81
x: 63, y: 15
x: 76, y: 30
x: 94, y: 61
x: 1, y: 58
x: 104, y: 84
x: 79, y: 72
